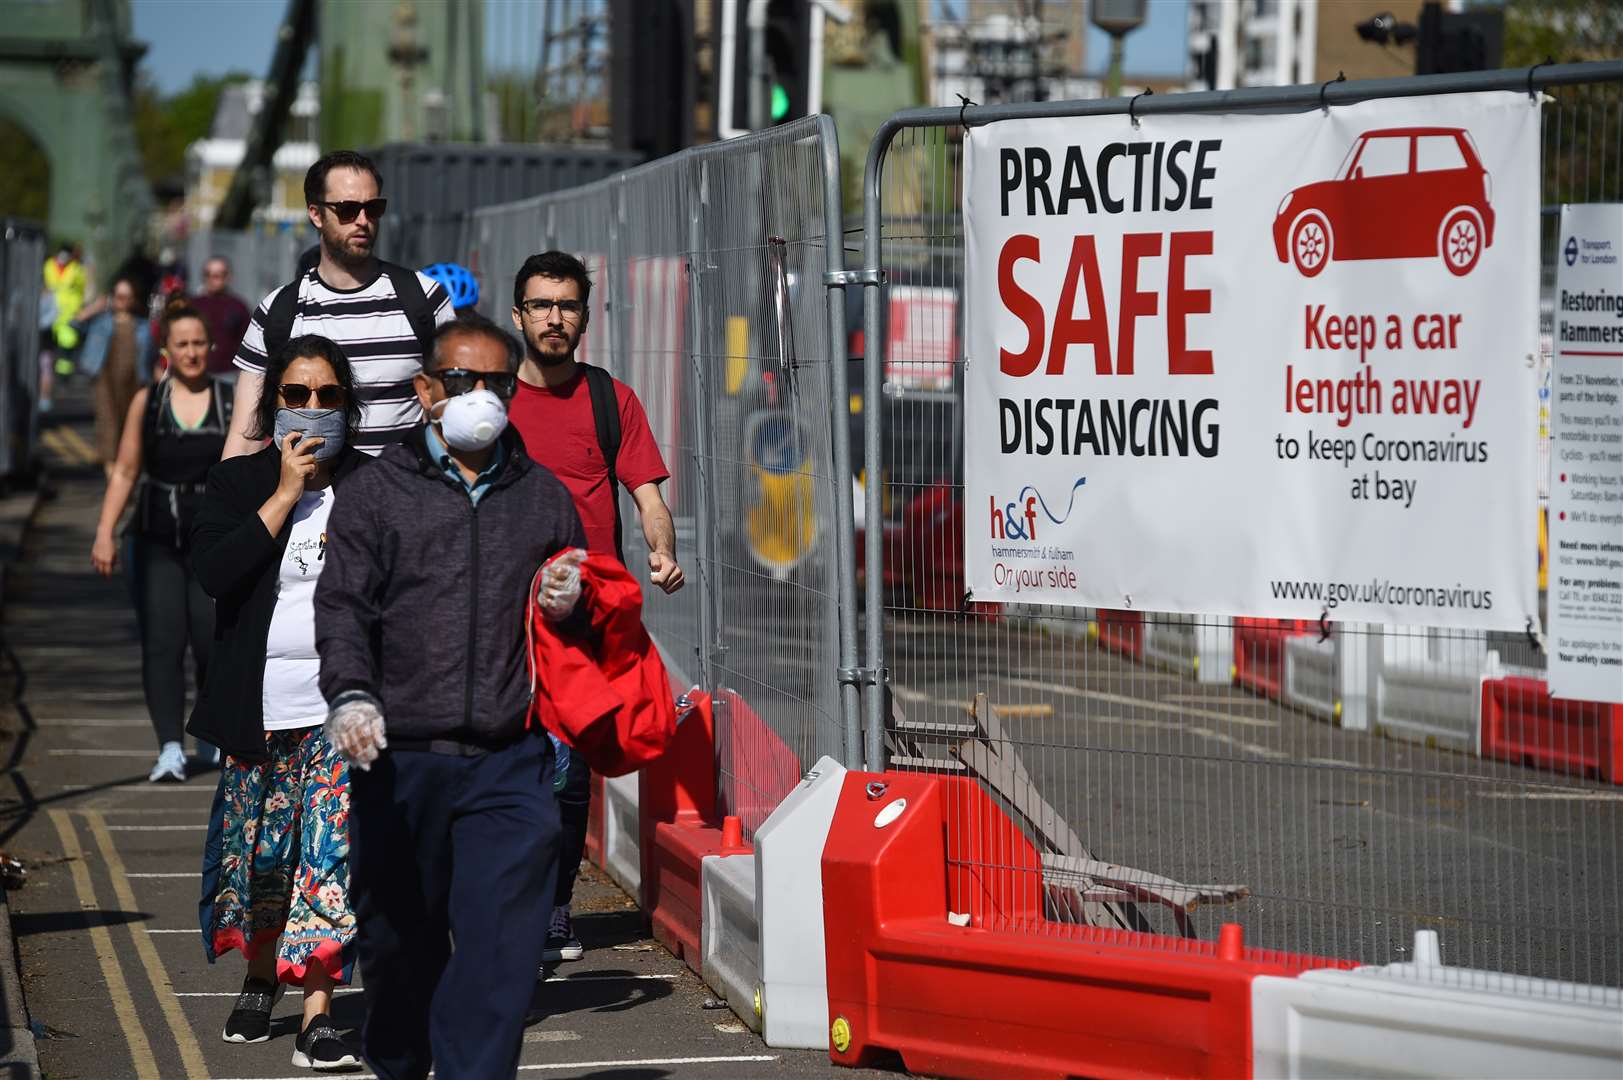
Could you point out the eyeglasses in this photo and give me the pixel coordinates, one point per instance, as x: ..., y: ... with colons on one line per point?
x: 458, y: 381
x: 347, y: 210
x: 569, y: 309
x: 297, y: 395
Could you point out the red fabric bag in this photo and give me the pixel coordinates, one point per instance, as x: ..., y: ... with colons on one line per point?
x: 605, y: 693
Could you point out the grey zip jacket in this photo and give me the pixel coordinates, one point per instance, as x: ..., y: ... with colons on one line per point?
x: 421, y: 604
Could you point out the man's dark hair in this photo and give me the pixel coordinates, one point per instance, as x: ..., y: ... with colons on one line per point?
x: 313, y: 346
x: 560, y: 265
x: 478, y: 326
x: 315, y: 180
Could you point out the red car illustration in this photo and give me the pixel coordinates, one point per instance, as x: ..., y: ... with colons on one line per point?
x: 1400, y: 193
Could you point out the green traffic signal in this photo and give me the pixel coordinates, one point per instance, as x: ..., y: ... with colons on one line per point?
x: 780, y: 102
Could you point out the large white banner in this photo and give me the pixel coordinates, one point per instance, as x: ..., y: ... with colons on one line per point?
x: 1586, y: 488
x: 1257, y: 365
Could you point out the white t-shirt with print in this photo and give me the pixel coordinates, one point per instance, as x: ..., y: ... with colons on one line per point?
x: 291, y: 696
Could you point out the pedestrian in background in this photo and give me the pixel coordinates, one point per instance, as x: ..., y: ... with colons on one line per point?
x: 116, y: 356
x: 173, y: 432
x: 276, y: 863
x: 226, y: 313
x: 381, y: 314
x: 591, y: 431
x: 420, y: 620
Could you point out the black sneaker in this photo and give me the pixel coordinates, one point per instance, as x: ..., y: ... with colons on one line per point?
x: 250, y: 1018
x: 319, y: 1046
x: 561, y: 941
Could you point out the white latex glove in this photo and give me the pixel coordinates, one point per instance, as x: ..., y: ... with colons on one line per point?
x: 355, y: 729
x: 559, y: 590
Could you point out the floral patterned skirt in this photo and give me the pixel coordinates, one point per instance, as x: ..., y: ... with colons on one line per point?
x: 276, y: 866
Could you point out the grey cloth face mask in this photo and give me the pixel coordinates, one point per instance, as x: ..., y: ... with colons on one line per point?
x: 326, y: 424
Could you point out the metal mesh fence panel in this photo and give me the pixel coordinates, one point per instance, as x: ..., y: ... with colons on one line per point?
x: 1332, y: 788
x: 708, y: 300
x: 20, y: 264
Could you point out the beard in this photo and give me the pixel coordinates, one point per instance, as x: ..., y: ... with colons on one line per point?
x: 347, y: 250
x: 548, y: 355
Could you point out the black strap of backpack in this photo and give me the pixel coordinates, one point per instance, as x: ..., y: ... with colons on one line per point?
x: 413, y: 301
x: 606, y: 417
x: 279, y: 318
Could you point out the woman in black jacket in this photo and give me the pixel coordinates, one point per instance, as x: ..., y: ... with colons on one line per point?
x: 276, y: 865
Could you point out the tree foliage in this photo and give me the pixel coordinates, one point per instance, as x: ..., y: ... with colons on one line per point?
x: 166, y: 126
x: 1562, y: 30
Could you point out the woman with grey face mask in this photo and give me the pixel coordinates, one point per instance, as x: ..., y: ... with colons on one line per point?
x: 276, y: 864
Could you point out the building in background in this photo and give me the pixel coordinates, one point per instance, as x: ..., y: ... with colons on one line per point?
x: 997, y: 51
x: 1234, y: 43
x: 212, y: 162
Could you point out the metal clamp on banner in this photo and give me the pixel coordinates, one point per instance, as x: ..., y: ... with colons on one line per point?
x: 1324, y: 625
x: 1133, y: 103
x: 1324, y: 101
x: 964, y: 103
x: 1532, y: 93
x: 1535, y: 637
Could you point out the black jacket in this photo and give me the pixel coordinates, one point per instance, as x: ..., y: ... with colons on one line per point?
x: 237, y: 562
x: 422, y: 600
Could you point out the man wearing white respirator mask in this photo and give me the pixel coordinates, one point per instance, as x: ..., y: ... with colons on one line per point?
x: 420, y: 619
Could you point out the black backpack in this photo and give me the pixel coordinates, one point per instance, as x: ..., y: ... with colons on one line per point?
x: 413, y: 301
x: 606, y: 416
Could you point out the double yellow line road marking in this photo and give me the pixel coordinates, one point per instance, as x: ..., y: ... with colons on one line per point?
x: 68, y: 445
x: 109, y: 955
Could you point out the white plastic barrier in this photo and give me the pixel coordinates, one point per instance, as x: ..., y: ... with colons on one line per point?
x: 1429, y: 687
x: 789, y: 910
x: 1191, y: 645
x: 731, y: 938
x: 1426, y: 1019
x: 622, y: 853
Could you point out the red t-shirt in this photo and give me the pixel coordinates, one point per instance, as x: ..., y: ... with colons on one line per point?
x: 559, y: 432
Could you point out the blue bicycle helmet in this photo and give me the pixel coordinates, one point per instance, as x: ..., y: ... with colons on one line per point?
x: 458, y: 281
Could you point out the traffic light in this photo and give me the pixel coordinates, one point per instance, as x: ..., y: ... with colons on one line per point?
x: 652, y: 75
x: 1471, y: 40
x: 788, y: 60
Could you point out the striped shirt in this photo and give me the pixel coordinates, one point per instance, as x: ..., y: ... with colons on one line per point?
x: 370, y: 325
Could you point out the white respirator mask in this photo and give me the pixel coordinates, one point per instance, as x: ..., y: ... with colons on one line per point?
x: 471, y: 421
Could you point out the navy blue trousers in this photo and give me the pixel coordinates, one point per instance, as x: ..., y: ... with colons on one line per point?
x: 453, y: 864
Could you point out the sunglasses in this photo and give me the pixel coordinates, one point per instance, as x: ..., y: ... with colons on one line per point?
x: 347, y: 210
x: 297, y: 395
x: 458, y: 381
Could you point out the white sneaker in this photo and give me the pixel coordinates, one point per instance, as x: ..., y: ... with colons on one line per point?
x: 171, y: 764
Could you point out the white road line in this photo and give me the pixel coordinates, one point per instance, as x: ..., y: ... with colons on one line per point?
x: 551, y: 1036
x: 1574, y: 796
x: 560, y: 1066
x: 234, y: 993
x: 608, y: 976
x: 165, y: 788
x: 1142, y: 703
x: 157, y: 828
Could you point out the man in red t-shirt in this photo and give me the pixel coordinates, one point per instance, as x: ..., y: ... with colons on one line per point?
x: 225, y: 312
x: 552, y: 411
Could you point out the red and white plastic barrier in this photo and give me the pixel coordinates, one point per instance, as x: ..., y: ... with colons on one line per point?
x: 934, y: 947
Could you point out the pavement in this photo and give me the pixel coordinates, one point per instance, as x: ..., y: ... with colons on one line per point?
x: 112, y: 968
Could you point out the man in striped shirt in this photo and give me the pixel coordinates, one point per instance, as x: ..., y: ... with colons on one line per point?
x: 353, y: 298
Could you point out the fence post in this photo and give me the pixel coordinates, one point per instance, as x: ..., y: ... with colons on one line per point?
x: 845, y: 552
x: 704, y: 452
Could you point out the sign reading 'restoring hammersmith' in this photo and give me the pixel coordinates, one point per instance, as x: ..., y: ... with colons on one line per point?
x: 1265, y: 365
